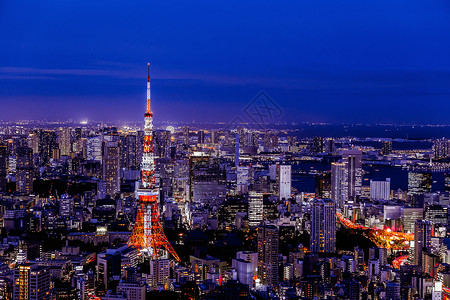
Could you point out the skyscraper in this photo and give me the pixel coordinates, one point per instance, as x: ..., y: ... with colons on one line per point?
x: 317, y: 145
x: 339, y: 183
x: 353, y: 160
x: 47, y: 143
x: 255, y: 209
x: 323, y: 226
x: 64, y: 140
x: 284, y: 181
x: 423, y: 232
x: 268, y: 255
x: 25, y: 170
x: 3, y: 158
x: 111, y: 167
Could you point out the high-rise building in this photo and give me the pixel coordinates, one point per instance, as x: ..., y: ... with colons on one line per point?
x: 323, y: 185
x: 94, y: 148
x: 317, y: 145
x: 339, y: 183
x: 323, y: 226
x: 284, y: 181
x: 410, y: 215
x: 162, y: 143
x: 353, y: 161
x: 3, y: 159
x: 111, y: 167
x: 65, y: 140
x: 200, y: 137
x: 268, y: 241
x: 129, y: 152
x: 393, y: 291
x: 31, y: 282
x: 159, y: 272
x: 47, y: 143
x: 423, y: 231
x: 380, y: 190
x: 25, y: 170
x: 419, y: 183
x: 255, y: 209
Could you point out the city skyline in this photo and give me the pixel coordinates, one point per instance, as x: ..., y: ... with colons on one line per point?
x: 209, y: 61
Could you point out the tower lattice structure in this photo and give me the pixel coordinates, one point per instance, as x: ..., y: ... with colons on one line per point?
x: 148, y: 235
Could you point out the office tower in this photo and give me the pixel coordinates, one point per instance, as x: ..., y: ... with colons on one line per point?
x: 437, y: 214
x: 25, y: 170
x: 200, y: 137
x: 31, y: 282
x: 380, y: 190
x: 129, y: 152
x: 159, y: 272
x: 423, y: 231
x: 410, y: 215
x: 243, y: 179
x: 323, y: 185
x: 47, y: 142
x: 94, y: 148
x: 148, y: 235
x: 330, y: 145
x: 353, y: 161
x: 214, y: 137
x: 108, y: 269
x: 284, y: 181
x: 3, y: 158
x: 207, y: 180
x: 419, y: 183
x: 162, y: 143
x: 111, y: 167
x: 386, y: 147
x: 339, y: 183
x: 236, y: 150
x: 255, y: 209
x: 33, y: 141
x: 65, y: 140
x: 268, y: 255
x: 186, y: 141
x: 441, y: 148
x: 323, y: 226
x: 317, y: 145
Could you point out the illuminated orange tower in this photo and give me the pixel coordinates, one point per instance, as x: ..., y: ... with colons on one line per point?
x: 148, y: 235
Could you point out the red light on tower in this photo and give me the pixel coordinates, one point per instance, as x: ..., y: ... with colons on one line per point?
x: 148, y: 234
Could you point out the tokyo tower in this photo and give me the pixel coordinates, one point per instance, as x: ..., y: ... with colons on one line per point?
x: 148, y: 235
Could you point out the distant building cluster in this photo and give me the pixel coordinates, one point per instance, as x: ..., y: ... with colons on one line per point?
x: 252, y: 214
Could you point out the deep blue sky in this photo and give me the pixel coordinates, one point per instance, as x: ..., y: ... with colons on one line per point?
x: 319, y: 60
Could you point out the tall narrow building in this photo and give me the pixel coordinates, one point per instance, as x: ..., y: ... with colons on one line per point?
x: 423, y: 231
x: 353, y: 160
x: 323, y: 226
x: 3, y: 158
x: 339, y: 183
x: 284, y: 181
x: 268, y: 240
x: 25, y: 170
x: 111, y: 167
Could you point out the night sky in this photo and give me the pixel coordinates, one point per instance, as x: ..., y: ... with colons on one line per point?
x: 319, y: 60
